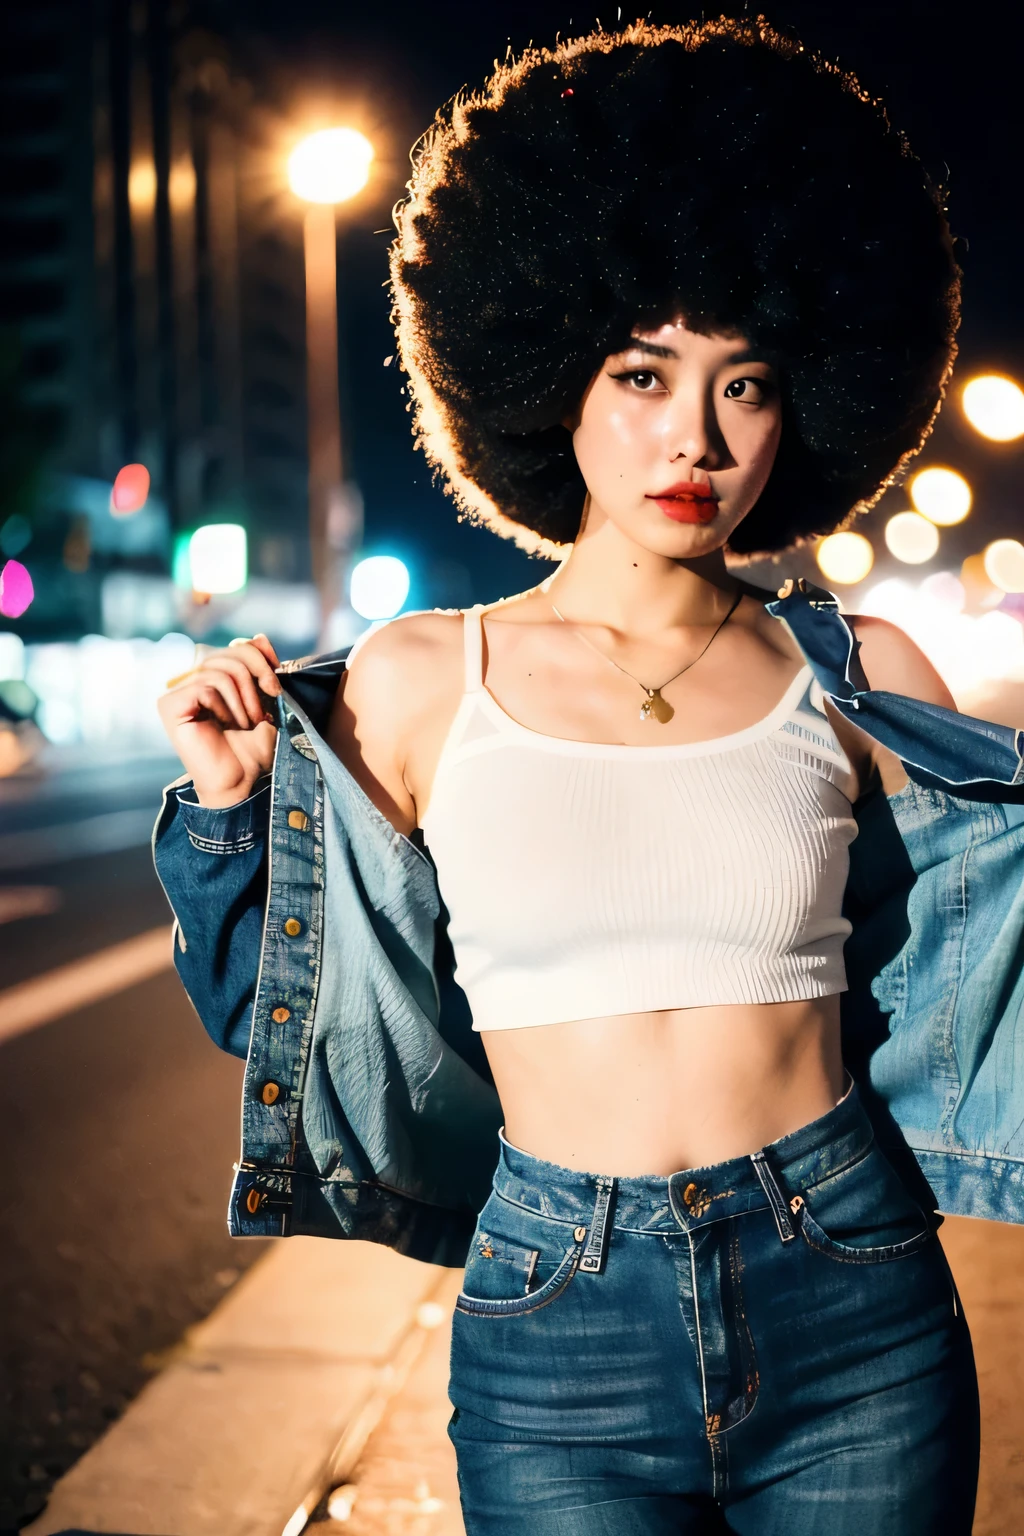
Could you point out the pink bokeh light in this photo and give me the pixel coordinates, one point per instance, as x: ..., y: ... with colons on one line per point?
x: 16, y: 590
x: 130, y: 490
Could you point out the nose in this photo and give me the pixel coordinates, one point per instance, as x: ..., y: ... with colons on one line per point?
x: 691, y: 431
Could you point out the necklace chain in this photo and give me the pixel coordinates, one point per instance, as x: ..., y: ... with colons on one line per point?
x: 654, y: 706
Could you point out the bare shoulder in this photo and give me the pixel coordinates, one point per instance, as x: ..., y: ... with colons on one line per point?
x: 418, y: 654
x: 893, y: 663
x: 402, y: 682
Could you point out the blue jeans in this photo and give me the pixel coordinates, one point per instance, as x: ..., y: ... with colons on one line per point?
x: 770, y: 1345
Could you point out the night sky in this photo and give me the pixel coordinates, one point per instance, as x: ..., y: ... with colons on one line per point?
x: 950, y: 77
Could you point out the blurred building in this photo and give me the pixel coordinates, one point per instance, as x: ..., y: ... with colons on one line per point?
x: 151, y: 300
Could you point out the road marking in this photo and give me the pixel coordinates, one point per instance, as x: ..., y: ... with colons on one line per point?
x: 18, y: 901
x: 69, y: 987
x: 109, y: 833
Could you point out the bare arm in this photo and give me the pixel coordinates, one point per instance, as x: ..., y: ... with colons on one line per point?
x: 892, y: 663
x: 393, y: 712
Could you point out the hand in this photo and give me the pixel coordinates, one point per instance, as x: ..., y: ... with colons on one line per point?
x: 219, y: 724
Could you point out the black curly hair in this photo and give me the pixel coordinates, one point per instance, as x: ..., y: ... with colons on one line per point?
x: 715, y: 170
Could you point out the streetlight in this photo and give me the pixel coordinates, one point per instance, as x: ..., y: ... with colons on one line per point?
x: 327, y: 168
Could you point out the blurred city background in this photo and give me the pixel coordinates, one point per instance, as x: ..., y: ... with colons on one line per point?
x: 203, y: 433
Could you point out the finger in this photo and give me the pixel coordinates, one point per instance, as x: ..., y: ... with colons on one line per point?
x: 267, y: 648
x: 249, y: 653
x: 221, y: 687
x: 206, y: 703
x: 243, y: 679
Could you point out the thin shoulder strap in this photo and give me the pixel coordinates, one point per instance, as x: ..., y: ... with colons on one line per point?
x: 473, y: 639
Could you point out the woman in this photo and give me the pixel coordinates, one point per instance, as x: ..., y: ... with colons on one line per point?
x: 661, y: 296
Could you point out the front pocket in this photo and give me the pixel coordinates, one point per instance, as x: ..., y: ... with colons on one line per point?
x: 530, y: 1301
x: 816, y: 1237
x: 862, y: 1215
x: 519, y: 1261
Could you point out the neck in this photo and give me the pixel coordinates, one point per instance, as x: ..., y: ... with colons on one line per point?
x: 608, y: 579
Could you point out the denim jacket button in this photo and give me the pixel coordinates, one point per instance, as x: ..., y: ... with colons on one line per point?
x: 298, y: 820
x: 270, y: 1093
x: 292, y: 927
x: 281, y: 1015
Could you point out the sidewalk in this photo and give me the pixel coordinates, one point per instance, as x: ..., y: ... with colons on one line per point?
x: 270, y: 1401
x: 327, y: 1366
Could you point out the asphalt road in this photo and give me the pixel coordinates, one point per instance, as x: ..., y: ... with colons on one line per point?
x: 118, y: 1136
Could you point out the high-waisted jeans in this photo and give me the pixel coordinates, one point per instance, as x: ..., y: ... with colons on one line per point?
x: 770, y: 1345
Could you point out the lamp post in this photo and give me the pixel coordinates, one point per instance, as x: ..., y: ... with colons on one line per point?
x: 324, y: 170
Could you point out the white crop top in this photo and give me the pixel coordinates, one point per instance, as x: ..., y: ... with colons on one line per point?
x: 585, y: 880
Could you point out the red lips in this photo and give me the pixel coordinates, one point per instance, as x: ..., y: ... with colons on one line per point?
x: 687, y: 502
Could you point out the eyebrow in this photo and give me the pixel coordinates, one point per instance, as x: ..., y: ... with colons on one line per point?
x: 637, y: 344
x: 652, y: 349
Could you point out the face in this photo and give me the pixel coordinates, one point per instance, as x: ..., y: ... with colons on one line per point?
x: 676, y: 437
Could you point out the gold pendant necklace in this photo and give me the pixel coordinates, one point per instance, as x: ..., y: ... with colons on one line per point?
x: 654, y: 707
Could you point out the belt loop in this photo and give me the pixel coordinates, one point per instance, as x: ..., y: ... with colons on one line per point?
x: 776, y: 1199
x: 597, y: 1243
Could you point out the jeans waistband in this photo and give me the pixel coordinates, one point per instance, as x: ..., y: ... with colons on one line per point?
x: 693, y: 1197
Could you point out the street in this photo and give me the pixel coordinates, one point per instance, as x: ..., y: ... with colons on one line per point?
x: 118, y: 1139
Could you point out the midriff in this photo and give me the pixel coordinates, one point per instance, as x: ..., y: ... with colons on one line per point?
x: 652, y: 1093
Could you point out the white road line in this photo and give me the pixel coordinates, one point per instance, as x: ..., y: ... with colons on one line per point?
x: 70, y: 987
x: 17, y: 901
x: 108, y: 833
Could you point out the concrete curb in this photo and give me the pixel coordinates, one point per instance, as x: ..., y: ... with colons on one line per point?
x: 275, y: 1393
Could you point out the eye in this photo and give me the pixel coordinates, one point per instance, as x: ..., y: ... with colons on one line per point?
x: 749, y: 390
x: 641, y: 379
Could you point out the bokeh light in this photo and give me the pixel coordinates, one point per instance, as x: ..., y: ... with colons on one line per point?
x: 947, y: 590
x: 330, y: 166
x: 845, y: 557
x: 911, y: 538
x: 16, y: 590
x: 979, y: 591
x: 941, y: 495
x: 994, y: 406
x: 218, y: 558
x: 379, y: 586
x: 1004, y: 565
x: 969, y: 651
x: 181, y: 185
x: 130, y: 490
x: 142, y: 186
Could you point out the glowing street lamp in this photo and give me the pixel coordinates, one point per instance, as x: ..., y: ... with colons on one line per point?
x: 327, y: 168
x: 330, y: 166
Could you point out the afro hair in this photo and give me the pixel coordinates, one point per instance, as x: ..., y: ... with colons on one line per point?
x: 717, y: 170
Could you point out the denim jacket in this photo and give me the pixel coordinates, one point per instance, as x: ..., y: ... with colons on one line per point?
x: 312, y: 940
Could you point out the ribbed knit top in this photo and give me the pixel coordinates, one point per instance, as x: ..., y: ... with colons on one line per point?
x: 586, y: 880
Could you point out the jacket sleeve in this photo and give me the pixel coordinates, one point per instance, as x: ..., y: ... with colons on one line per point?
x: 212, y: 865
